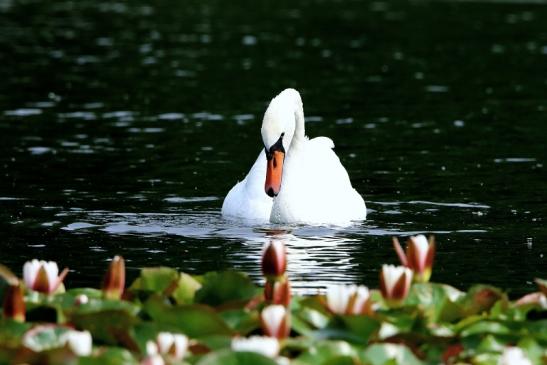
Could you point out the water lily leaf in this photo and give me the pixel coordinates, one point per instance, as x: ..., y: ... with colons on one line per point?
x: 223, y: 287
x: 11, y: 332
x: 192, y: 320
x: 44, y: 337
x: 110, y: 356
x: 308, y: 314
x: 186, y: 289
x: 361, y: 326
x: 107, y: 320
x: 388, y: 353
x: 438, y: 302
x: 324, y: 351
x: 481, y: 298
x: 240, y: 320
x: 491, y: 344
x: 155, y: 279
x: 228, y: 357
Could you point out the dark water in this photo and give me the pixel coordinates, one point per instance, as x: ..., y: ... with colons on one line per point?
x: 123, y: 125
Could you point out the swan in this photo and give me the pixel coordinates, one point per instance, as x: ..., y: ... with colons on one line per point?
x: 294, y: 179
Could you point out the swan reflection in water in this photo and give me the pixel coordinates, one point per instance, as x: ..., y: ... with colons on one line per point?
x: 313, y: 262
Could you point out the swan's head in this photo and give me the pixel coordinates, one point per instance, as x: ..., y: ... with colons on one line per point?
x: 278, y: 128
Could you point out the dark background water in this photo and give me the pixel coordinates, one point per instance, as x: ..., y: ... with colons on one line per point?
x: 124, y: 124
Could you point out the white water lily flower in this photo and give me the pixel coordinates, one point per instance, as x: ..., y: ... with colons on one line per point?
x: 514, y: 356
x: 79, y: 342
x: 360, y: 299
x: 395, y: 283
x: 173, y: 344
x: 275, y: 321
x: 267, y: 346
x: 42, y: 276
x: 338, y: 297
x: 347, y: 299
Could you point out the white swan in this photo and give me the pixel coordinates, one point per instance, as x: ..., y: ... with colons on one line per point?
x: 305, y: 177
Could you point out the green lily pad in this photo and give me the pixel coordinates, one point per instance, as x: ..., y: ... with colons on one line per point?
x: 228, y: 357
x: 224, y: 287
x: 192, y: 320
x: 388, y: 353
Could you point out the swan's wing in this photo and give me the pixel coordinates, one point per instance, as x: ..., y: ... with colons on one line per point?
x: 322, y: 142
x: 247, y: 199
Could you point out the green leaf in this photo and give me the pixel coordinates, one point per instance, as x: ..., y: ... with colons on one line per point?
x: 44, y: 337
x: 324, y: 351
x: 155, y: 279
x: 240, y: 320
x: 228, y: 357
x: 223, y: 287
x: 107, y: 320
x: 110, y: 356
x: 11, y: 332
x: 192, y: 320
x: 186, y: 289
x: 388, y: 353
x: 438, y: 302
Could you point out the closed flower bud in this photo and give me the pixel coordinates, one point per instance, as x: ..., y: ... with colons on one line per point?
x: 267, y: 346
x: 114, y: 279
x: 419, y: 256
x: 43, y: 276
x: 274, y: 259
x: 275, y: 321
x: 14, y: 303
x: 395, y: 283
x: 278, y: 292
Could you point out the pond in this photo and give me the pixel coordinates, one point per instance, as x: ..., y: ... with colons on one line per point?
x: 123, y: 125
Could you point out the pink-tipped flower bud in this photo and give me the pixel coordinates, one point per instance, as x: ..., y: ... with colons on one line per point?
x: 14, y: 303
x: 275, y: 321
x: 274, y: 259
x: 114, y: 279
x: 43, y: 276
x: 278, y: 292
x: 419, y: 256
x: 395, y: 284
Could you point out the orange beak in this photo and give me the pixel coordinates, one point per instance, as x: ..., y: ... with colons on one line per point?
x: 274, y: 173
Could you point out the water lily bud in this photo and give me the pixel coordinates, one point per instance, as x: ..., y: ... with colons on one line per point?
x: 278, y: 292
x: 514, y: 356
x: 274, y: 259
x: 348, y: 299
x: 419, y: 256
x: 43, y: 276
x: 14, y: 303
x: 275, y: 321
x: 172, y: 344
x: 542, y: 285
x: 114, y: 279
x: 395, y: 283
x: 267, y: 346
x: 79, y: 342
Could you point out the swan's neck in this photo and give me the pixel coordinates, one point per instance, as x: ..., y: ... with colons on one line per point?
x: 299, y: 131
